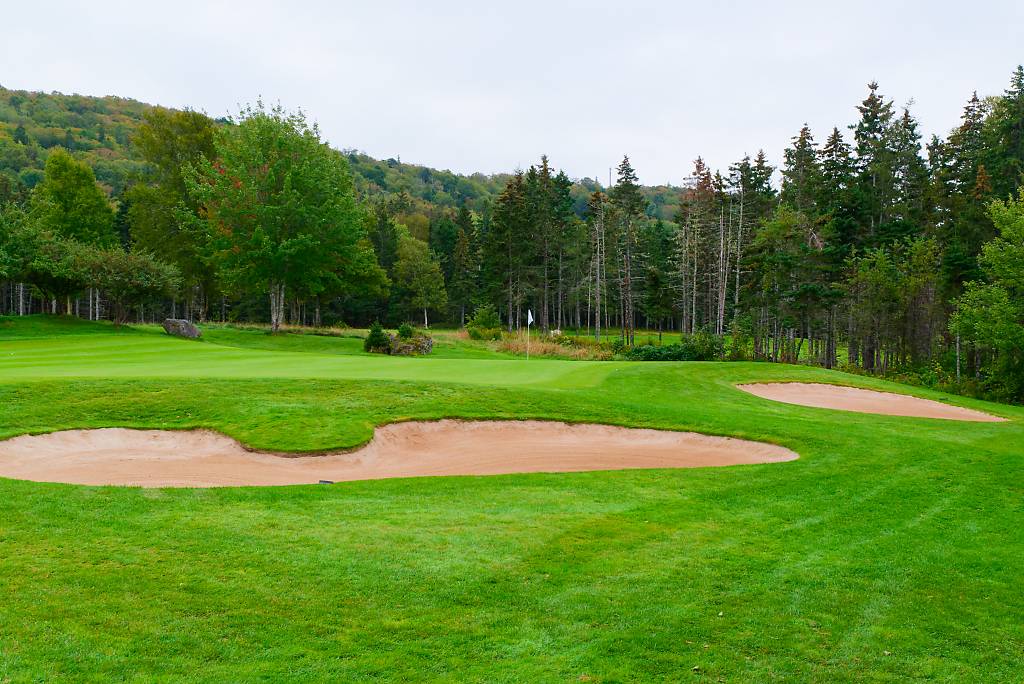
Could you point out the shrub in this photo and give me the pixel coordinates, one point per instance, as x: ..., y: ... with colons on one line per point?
x: 697, y: 347
x: 703, y: 346
x: 484, y: 324
x: 406, y: 331
x: 484, y: 333
x: 484, y: 317
x: 739, y: 337
x: 377, y: 340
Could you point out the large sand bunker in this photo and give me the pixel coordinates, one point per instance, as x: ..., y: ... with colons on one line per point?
x: 200, y: 458
x: 862, y: 401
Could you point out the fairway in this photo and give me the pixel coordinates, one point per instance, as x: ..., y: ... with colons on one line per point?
x: 892, y: 548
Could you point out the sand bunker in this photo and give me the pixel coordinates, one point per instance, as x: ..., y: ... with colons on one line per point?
x: 200, y: 458
x: 862, y: 401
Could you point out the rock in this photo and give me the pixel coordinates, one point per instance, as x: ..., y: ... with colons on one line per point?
x: 415, y: 346
x: 179, y: 327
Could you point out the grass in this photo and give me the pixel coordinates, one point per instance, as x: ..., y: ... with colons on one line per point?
x: 892, y: 549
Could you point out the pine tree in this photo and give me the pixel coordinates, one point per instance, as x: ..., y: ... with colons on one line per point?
x: 462, y: 285
x: 910, y: 179
x: 960, y: 190
x: 836, y: 198
x: 596, y: 214
x: 874, y: 163
x: 801, y: 176
x: 630, y: 207
x: 1004, y: 133
x: 503, y: 249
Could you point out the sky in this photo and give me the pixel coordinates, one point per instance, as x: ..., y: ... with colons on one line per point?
x: 489, y: 87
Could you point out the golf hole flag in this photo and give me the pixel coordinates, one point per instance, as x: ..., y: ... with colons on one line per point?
x: 529, y: 322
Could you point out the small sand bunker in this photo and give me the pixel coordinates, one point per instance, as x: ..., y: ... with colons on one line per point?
x: 859, y: 400
x: 200, y: 458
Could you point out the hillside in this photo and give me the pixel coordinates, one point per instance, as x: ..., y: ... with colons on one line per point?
x: 99, y: 131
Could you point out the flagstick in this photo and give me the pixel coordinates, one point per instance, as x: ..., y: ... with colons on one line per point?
x: 529, y: 320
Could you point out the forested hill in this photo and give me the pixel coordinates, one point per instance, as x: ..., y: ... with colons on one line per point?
x: 99, y: 131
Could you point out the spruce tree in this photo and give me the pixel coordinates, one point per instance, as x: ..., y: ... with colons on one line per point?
x: 836, y: 198
x: 801, y: 176
x: 874, y: 163
x: 1004, y: 133
x: 630, y: 207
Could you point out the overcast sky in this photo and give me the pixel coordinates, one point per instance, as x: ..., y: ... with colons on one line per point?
x: 477, y: 86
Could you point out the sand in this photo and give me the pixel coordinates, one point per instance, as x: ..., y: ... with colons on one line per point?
x: 200, y: 458
x: 863, y: 401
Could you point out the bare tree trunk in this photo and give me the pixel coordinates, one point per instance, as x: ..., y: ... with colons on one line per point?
x: 276, y: 306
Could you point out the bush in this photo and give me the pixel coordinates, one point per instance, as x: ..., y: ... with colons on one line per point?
x: 703, y: 346
x: 484, y: 317
x: 406, y: 331
x: 697, y: 347
x: 484, y: 324
x: 739, y: 336
x: 377, y: 341
x: 484, y: 333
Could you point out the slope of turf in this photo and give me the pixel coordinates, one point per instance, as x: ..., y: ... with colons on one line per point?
x: 891, y: 549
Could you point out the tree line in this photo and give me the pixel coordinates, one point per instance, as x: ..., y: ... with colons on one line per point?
x: 878, y: 250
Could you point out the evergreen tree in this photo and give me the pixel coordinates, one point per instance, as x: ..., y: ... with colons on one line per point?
x: 630, y: 207
x: 960, y: 191
x: 443, y: 235
x: 874, y: 164
x: 837, y: 201
x: 504, y: 247
x: 910, y: 179
x: 462, y: 285
x: 1004, y: 133
x: 801, y: 177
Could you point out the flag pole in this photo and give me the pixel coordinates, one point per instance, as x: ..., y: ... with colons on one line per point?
x: 529, y: 320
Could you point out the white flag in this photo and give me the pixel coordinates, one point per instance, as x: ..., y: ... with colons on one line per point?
x: 529, y: 317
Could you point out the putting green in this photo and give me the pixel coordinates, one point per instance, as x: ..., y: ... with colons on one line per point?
x: 150, y: 354
x: 893, y: 548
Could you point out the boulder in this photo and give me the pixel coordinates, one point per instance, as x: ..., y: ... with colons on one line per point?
x: 179, y: 327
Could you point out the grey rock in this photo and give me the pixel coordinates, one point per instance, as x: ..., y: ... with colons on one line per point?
x: 179, y: 327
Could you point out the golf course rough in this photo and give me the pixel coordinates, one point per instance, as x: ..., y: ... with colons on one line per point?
x: 891, y: 550
x: 155, y: 458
